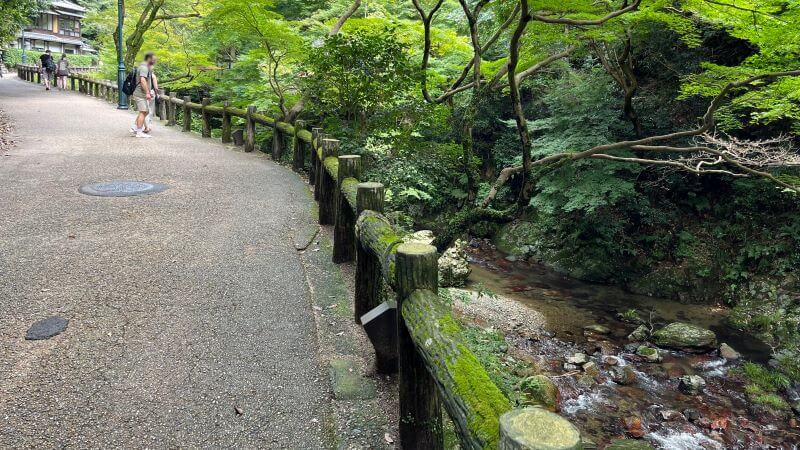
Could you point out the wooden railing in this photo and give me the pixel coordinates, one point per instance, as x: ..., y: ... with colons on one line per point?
x: 424, y: 342
x: 33, y: 73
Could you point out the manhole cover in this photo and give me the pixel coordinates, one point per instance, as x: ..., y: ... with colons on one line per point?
x: 121, y: 188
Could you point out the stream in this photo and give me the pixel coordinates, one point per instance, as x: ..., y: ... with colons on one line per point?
x: 652, y: 408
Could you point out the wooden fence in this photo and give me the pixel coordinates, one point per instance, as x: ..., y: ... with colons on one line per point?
x: 427, y: 347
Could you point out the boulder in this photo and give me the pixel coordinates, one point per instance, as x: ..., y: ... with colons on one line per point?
x: 691, y: 384
x: 454, y: 265
x: 542, y: 391
x: 623, y: 375
x: 591, y: 369
x: 535, y: 428
x: 680, y: 335
x: 649, y: 353
x: 578, y: 359
x: 640, y: 334
x: 596, y: 329
x: 727, y: 352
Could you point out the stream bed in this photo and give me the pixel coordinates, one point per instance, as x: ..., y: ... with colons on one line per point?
x: 652, y: 408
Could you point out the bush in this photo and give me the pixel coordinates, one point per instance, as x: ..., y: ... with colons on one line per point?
x: 13, y: 57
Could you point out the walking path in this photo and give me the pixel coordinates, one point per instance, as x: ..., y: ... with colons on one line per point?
x: 186, y: 307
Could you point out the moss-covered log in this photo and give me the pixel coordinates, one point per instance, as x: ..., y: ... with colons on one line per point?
x: 472, y: 400
x: 304, y: 135
x: 349, y: 189
x: 215, y: 110
x: 376, y: 235
x: 284, y: 127
x: 331, y: 165
x: 237, y: 112
x: 261, y: 119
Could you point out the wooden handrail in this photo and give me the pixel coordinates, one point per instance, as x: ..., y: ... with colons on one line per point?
x: 436, y: 368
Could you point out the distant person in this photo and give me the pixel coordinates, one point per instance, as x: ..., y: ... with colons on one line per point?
x: 62, y: 72
x: 144, y: 95
x: 48, y: 69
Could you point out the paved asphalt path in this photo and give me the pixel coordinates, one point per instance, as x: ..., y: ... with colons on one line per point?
x: 182, y: 305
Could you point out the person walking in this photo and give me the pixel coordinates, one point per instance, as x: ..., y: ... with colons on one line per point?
x: 62, y: 72
x: 48, y: 68
x: 144, y: 95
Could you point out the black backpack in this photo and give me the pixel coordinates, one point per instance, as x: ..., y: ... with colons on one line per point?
x: 129, y: 85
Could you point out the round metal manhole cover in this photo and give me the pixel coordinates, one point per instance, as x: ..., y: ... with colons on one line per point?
x: 121, y: 188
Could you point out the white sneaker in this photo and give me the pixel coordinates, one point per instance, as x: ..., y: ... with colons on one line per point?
x: 134, y: 130
x: 139, y: 134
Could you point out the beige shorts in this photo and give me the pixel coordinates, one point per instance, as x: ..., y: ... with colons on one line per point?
x: 142, y: 105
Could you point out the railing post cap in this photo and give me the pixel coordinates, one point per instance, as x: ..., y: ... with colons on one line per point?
x: 536, y: 428
x: 369, y: 185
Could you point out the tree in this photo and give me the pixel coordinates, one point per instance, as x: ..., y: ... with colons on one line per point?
x: 16, y: 14
x: 278, y: 50
x: 705, y: 155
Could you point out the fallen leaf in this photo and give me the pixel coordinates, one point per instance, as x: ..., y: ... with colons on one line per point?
x: 388, y: 438
x: 238, y: 410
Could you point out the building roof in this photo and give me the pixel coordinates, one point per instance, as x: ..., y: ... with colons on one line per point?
x: 66, y: 4
x: 53, y: 37
x: 67, y: 8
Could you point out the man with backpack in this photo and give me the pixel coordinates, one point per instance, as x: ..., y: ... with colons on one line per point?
x: 48, y: 68
x: 144, y: 95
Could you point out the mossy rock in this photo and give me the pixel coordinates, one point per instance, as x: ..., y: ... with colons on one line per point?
x: 537, y: 429
x: 542, y: 391
x: 515, y: 238
x: 680, y: 335
x: 629, y: 444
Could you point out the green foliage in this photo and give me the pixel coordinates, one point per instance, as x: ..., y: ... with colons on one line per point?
x: 762, y: 384
x: 16, y: 14
x: 13, y: 56
x: 360, y: 74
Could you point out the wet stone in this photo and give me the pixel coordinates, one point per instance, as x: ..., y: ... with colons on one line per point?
x: 46, y: 328
x: 121, y: 188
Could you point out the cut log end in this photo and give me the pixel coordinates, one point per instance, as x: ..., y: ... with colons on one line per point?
x: 537, y: 429
x: 416, y: 249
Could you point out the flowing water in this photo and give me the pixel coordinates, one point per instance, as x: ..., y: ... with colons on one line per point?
x: 652, y: 408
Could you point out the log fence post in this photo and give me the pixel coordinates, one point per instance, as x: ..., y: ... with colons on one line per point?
x: 416, y: 267
x: 187, y: 114
x: 171, y: 110
x: 299, y: 147
x: 38, y: 77
x: 206, y: 117
x: 316, y: 134
x: 97, y: 89
x: 250, y: 130
x: 369, y: 281
x: 226, y: 123
x: 327, y: 200
x: 278, y: 141
x: 162, y: 104
x: 72, y: 82
x: 344, y: 239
